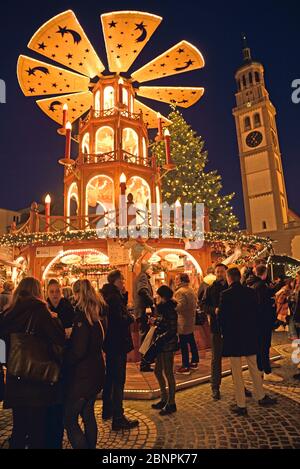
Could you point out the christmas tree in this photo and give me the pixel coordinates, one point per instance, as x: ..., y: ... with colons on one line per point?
x: 189, y: 182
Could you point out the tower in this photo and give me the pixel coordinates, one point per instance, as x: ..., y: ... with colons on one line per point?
x: 113, y: 149
x: 264, y: 191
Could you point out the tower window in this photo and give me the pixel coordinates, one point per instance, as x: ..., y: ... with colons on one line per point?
x: 257, y: 121
x: 104, y: 140
x: 125, y: 97
x: 109, y: 97
x: 86, y: 144
x: 239, y: 85
x: 97, y: 101
x: 244, y: 81
x: 257, y: 77
x: 130, y: 141
x: 250, y: 78
x: 264, y: 225
x: 247, y: 123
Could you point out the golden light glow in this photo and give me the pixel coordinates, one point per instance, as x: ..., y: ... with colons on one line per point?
x: 78, y: 104
x: 123, y: 178
x: 37, y: 78
x: 125, y: 35
x: 183, y: 57
x: 63, y: 37
x: 149, y: 115
x: 181, y: 96
x: 71, y: 259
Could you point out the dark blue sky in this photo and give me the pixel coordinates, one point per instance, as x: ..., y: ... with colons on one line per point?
x: 30, y: 146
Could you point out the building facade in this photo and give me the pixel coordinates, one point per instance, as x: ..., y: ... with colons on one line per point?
x: 265, y: 196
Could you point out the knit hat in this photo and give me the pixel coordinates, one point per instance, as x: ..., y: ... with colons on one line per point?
x: 165, y: 292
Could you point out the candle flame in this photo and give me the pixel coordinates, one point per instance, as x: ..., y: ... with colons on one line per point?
x: 65, y: 107
x: 167, y: 133
x: 48, y: 199
x: 123, y: 178
x: 68, y: 126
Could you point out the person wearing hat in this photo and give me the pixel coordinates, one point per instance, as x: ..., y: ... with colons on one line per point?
x: 166, y: 323
x: 143, y: 299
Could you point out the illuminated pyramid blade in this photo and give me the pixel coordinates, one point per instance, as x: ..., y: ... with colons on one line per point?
x: 62, y: 39
x: 37, y: 78
x: 125, y: 34
x: 183, y: 57
x: 149, y: 115
x: 78, y: 104
x: 184, y: 97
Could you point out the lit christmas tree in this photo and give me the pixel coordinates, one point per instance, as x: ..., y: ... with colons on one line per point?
x: 189, y: 182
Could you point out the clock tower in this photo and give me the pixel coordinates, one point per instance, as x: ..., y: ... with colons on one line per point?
x: 264, y: 189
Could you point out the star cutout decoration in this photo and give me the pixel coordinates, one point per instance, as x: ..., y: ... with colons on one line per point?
x: 140, y: 26
x: 119, y: 46
x: 180, y: 51
x: 30, y: 71
x: 62, y: 31
x: 31, y: 90
x: 112, y: 24
x: 42, y: 46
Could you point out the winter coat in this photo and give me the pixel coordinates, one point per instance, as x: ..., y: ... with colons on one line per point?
x: 282, y: 305
x: 239, y: 320
x: 142, y: 294
x: 20, y: 392
x: 266, y: 304
x: 84, y: 363
x: 186, y: 308
x: 211, y: 301
x: 118, y: 337
x: 64, y: 311
x: 166, y: 323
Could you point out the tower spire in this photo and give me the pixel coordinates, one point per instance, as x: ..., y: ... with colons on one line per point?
x: 246, y: 49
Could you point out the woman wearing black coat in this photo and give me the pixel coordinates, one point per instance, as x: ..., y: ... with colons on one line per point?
x: 27, y: 399
x: 166, y: 331
x: 85, y: 367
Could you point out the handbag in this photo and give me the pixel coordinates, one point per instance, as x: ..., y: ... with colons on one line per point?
x: 147, y: 341
x: 201, y: 318
x: 32, y: 358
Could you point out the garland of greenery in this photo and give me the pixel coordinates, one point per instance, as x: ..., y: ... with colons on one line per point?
x: 42, y: 238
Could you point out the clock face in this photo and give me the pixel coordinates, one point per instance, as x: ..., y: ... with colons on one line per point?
x: 254, y: 139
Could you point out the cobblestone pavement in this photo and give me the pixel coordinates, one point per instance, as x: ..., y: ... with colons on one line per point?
x: 202, y: 423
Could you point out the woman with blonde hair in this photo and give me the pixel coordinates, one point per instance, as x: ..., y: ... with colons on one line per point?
x: 29, y: 399
x: 85, y: 367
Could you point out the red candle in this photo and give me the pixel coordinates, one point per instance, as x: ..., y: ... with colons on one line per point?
x: 123, y: 205
x: 168, y: 146
x: 68, y: 140
x: 65, y: 114
x: 47, y: 211
x: 159, y: 123
x: 121, y: 83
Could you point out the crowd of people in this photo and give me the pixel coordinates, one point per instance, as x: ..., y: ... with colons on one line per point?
x: 88, y: 337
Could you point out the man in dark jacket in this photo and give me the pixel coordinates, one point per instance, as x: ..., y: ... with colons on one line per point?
x: 267, y: 318
x: 239, y: 321
x: 118, y: 342
x: 143, y: 299
x: 211, y: 302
